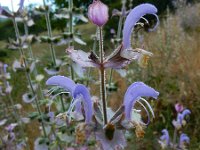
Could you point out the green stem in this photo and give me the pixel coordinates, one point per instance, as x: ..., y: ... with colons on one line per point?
x: 71, y: 31
x: 62, y: 103
x: 174, y: 138
x: 29, y: 77
x: 48, y: 24
x: 102, y: 76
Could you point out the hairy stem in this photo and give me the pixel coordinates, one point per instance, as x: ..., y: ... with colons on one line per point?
x: 48, y: 24
x: 29, y: 77
x: 102, y: 77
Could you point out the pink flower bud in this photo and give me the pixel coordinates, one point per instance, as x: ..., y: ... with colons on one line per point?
x: 179, y: 107
x: 98, y: 13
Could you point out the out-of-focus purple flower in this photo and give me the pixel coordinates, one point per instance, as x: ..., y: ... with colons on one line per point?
x: 79, y: 92
x: 98, y: 13
x: 179, y: 107
x: 11, y: 127
x: 28, y: 98
x: 131, y: 20
x: 112, y: 31
x: 164, y: 139
x: 165, y: 136
x: 134, y: 92
x: 21, y: 5
x: 179, y: 122
x: 183, y: 139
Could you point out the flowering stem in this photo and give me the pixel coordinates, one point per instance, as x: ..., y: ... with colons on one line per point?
x: 102, y: 76
x: 48, y: 24
x: 29, y: 77
x: 62, y: 103
x: 174, y: 138
x: 71, y: 31
x: 33, y: 59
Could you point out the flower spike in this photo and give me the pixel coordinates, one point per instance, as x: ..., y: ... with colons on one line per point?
x: 133, y: 93
x: 133, y: 17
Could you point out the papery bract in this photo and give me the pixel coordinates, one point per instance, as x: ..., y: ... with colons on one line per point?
x: 98, y: 13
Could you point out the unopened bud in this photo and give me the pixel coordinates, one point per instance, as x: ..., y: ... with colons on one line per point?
x: 98, y: 13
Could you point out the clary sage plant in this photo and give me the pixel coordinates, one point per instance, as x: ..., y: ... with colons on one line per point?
x: 94, y: 118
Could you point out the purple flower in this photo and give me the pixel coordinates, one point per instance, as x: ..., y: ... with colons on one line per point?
x: 61, y: 81
x: 21, y: 5
x: 179, y: 122
x: 165, y: 137
x: 183, y: 139
x: 123, y: 54
x: 98, y: 13
x: 179, y: 107
x: 131, y: 20
x: 134, y: 92
x: 79, y: 92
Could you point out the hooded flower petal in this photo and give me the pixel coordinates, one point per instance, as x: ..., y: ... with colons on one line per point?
x: 165, y: 136
x: 82, y: 92
x: 21, y: 5
x: 133, y: 17
x: 134, y: 92
x: 64, y: 82
x: 186, y: 112
x: 82, y: 58
x: 183, y: 138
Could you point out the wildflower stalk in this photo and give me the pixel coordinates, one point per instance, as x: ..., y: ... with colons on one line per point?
x: 62, y: 103
x: 174, y: 138
x: 54, y: 133
x: 119, y: 30
x: 29, y: 46
x: 17, y: 117
x: 102, y: 76
x: 71, y: 31
x: 33, y: 59
x: 29, y: 77
x: 48, y: 24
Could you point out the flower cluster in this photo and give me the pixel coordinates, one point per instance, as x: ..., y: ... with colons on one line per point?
x: 108, y: 126
x: 184, y: 140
